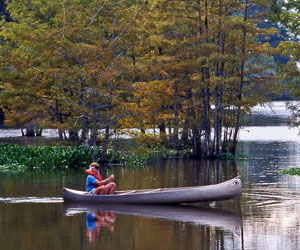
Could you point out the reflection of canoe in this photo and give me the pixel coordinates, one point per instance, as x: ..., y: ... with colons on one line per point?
x: 225, y: 190
x: 189, y: 214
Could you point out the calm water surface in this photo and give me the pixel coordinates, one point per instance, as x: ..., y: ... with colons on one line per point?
x: 266, y: 216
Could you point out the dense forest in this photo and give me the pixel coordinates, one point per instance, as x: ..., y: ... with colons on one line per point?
x: 174, y: 73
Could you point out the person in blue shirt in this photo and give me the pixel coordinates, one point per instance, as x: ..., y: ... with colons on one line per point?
x: 95, y: 184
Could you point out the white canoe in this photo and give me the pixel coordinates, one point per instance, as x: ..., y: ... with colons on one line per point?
x: 221, y: 191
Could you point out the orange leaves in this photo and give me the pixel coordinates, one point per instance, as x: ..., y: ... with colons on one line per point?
x: 71, y: 58
x: 149, y: 64
x: 154, y: 100
x: 163, y: 73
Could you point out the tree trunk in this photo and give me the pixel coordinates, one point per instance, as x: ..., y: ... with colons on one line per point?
x: 94, y: 138
x: 233, y: 145
x: 175, y: 135
x: 197, y: 149
x: 1, y: 117
x: 38, y: 131
x: 85, y: 131
x: 105, y: 145
x: 185, y: 133
x: 29, y: 129
x: 73, y: 136
x: 59, y: 119
x: 197, y: 153
x: 162, y: 132
x: 219, y: 90
x: 60, y: 134
x: 206, y: 122
x: 205, y: 95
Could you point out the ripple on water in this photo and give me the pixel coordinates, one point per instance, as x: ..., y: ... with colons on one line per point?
x: 31, y: 199
x: 271, y: 196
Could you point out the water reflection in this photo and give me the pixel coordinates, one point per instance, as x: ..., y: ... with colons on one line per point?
x: 271, y: 218
x: 214, y: 220
x: 197, y: 215
x: 26, y: 141
x: 266, y: 159
x: 97, y: 219
x: 31, y: 199
x: 269, y: 205
x: 166, y: 173
x: 269, y: 114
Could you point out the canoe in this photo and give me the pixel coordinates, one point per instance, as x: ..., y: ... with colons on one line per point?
x: 222, y: 219
x: 221, y: 191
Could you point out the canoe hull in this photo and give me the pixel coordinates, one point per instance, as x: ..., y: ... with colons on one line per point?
x: 222, y: 191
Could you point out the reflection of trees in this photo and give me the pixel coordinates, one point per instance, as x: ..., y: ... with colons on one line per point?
x: 264, y: 159
x: 177, y: 173
x: 161, y: 234
x: 217, y: 171
x: 276, y: 224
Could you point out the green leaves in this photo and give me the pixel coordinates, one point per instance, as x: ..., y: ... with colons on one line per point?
x: 290, y: 171
x: 289, y: 17
x: 69, y: 58
x: 49, y: 157
x: 182, y: 66
x: 15, y: 157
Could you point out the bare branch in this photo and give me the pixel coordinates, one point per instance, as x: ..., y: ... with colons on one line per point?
x: 97, y: 13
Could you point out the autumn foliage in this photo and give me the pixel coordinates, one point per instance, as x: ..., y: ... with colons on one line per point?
x: 179, y: 72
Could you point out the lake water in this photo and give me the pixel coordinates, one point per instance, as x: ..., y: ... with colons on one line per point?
x: 266, y: 216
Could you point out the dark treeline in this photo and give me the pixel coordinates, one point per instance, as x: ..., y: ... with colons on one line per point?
x: 176, y: 73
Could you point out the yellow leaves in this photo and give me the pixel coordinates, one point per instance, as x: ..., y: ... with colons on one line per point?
x: 63, y: 59
x: 148, y: 139
x: 151, y: 62
x: 154, y: 98
x: 196, y: 77
x: 216, y: 81
x: 263, y: 48
x: 289, y: 48
x: 163, y: 73
x: 156, y: 40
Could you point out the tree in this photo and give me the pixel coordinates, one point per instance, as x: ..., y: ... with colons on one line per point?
x: 188, y: 69
x: 68, y: 63
x: 203, y: 53
x: 288, y: 15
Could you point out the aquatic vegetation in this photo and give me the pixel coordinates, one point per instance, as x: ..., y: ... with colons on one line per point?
x: 18, y: 158
x: 61, y: 157
x: 44, y: 157
x: 12, y: 167
x: 290, y: 171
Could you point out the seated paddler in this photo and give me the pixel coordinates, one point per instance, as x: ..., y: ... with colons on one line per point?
x: 95, y: 184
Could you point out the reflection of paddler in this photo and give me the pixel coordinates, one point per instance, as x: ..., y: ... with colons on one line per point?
x: 107, y: 219
x: 95, y: 220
